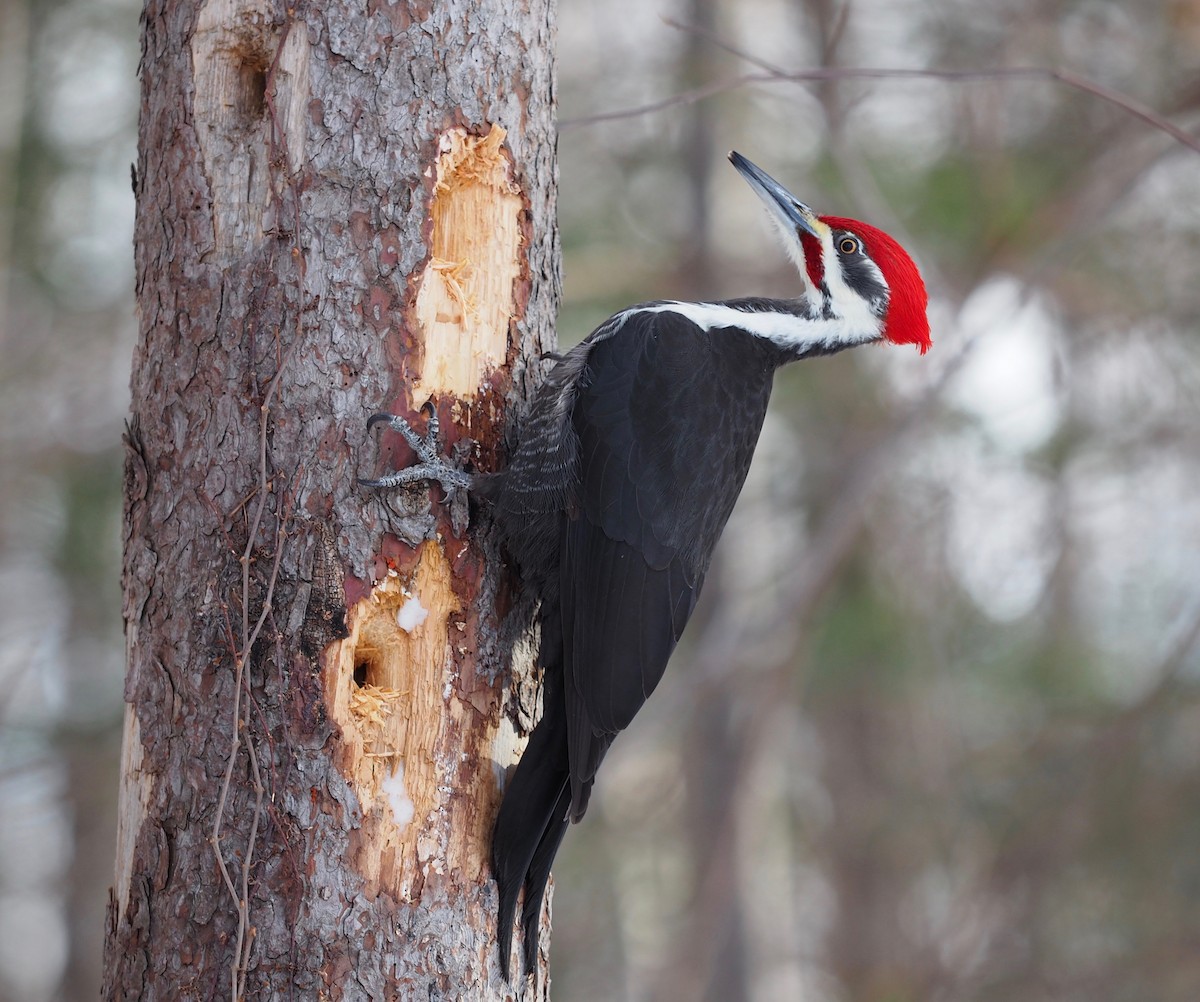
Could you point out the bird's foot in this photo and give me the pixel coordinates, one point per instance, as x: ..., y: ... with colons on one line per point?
x: 432, y: 465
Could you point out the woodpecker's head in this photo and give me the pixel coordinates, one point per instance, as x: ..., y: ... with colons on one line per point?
x: 853, y: 272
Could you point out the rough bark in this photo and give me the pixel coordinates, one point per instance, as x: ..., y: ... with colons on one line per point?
x: 339, y: 211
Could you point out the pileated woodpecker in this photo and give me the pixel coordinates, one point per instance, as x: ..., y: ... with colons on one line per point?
x: 625, y: 472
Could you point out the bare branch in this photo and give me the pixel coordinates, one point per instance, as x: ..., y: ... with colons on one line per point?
x: 1067, y: 78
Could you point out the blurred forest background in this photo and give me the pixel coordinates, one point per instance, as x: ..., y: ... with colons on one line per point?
x: 935, y: 731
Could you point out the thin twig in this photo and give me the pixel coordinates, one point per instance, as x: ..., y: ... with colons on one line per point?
x: 245, y: 930
x: 1068, y: 78
x: 244, y: 940
x: 716, y: 40
x: 223, y: 793
x: 248, y: 639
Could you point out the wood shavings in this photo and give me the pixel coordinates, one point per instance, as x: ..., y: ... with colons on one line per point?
x: 473, y: 158
x: 373, y: 704
x: 455, y: 274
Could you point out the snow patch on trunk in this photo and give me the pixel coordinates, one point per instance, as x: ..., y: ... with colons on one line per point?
x: 411, y: 614
x: 393, y: 788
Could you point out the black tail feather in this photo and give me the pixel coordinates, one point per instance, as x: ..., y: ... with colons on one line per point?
x: 539, y: 875
x: 530, y: 825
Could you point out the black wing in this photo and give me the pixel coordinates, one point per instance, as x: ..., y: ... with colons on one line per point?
x: 666, y: 416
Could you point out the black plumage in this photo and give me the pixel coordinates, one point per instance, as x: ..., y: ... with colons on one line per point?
x: 625, y: 474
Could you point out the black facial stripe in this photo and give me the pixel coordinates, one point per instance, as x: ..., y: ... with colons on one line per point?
x: 861, y: 273
x: 826, y: 301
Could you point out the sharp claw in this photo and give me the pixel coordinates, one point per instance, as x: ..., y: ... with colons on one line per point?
x: 432, y: 427
x: 432, y: 466
x: 406, y: 431
x: 375, y: 419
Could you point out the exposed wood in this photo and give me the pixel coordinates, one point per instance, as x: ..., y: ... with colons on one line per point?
x: 465, y: 302
x: 135, y: 797
x: 411, y: 737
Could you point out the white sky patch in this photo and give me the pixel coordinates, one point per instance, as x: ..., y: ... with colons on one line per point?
x: 1008, y: 382
x: 1137, y: 531
x: 1001, y: 539
x: 411, y: 614
x: 33, y: 943
x: 1166, y: 196
x: 393, y: 788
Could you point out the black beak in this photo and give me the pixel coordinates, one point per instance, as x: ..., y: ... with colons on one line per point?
x: 781, y: 203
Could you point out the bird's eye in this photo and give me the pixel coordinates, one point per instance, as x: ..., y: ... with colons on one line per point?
x: 848, y: 245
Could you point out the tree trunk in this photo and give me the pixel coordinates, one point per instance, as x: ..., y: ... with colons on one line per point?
x: 339, y: 212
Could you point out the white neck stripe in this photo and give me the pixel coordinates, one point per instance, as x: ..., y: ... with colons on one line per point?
x: 788, y: 330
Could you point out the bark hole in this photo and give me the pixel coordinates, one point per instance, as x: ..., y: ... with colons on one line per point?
x: 234, y: 47
x: 362, y: 674
x: 251, y: 96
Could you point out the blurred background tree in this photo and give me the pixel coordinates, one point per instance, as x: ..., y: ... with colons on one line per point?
x: 935, y: 732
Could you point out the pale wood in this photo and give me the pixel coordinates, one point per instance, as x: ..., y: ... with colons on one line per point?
x: 465, y: 302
